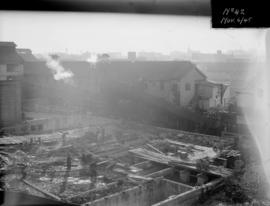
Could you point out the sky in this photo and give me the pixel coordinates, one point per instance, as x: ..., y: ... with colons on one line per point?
x: 100, y: 32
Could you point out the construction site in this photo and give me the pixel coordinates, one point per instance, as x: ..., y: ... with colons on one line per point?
x: 123, y: 133
x: 116, y: 162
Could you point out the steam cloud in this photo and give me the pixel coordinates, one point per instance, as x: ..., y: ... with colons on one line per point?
x: 59, y: 72
x: 93, y: 59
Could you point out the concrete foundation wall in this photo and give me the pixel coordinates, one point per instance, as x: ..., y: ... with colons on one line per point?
x: 189, y: 197
x: 145, y: 195
x: 185, y: 199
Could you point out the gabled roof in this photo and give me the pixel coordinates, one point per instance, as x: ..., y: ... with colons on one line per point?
x: 147, y: 70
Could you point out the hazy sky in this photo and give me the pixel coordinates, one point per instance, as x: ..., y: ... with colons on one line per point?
x: 78, y: 32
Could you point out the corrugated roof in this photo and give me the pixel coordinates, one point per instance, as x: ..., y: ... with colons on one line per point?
x: 147, y: 70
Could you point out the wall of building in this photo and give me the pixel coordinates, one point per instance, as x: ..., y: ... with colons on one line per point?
x: 211, y: 96
x: 154, y: 88
x: 10, y: 103
x: 205, y: 90
x: 215, y: 100
x: 187, y: 95
x: 183, y: 96
x: 13, y: 71
x: 226, y: 97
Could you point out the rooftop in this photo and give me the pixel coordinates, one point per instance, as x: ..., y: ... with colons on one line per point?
x: 27, y: 55
x: 8, y: 53
x: 7, y: 43
x: 148, y: 70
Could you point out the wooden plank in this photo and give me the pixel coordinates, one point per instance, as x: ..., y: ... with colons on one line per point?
x: 172, y: 161
x: 93, y: 190
x: 196, y: 147
x: 139, y: 177
x: 42, y: 191
x: 157, y: 150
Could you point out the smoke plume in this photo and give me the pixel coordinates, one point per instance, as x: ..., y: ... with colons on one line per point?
x: 59, y: 72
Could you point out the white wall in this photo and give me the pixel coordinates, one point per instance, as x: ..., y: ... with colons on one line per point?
x: 226, y: 96
x: 190, y: 78
x: 167, y: 94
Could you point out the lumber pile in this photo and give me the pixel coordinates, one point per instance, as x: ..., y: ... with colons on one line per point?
x: 46, y: 193
x: 176, y: 162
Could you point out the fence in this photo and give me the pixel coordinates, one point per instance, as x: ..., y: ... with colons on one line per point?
x: 38, y: 126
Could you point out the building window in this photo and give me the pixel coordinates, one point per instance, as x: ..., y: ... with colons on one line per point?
x: 161, y: 84
x: 187, y: 87
x: 11, y: 67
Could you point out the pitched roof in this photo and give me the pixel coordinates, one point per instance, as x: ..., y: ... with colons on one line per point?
x: 147, y: 70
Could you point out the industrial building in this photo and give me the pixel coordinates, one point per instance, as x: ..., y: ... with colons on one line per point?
x: 11, y: 72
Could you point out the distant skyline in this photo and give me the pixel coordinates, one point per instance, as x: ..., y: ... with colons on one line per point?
x: 81, y: 32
